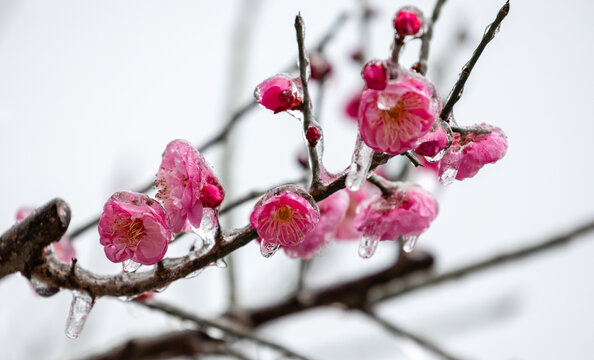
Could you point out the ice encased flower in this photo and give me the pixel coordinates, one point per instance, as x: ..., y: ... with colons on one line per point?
x: 186, y: 185
x: 408, y: 21
x: 280, y: 93
x: 285, y: 215
x: 346, y: 229
x: 408, y: 211
x: 332, y: 212
x: 393, y: 119
x: 432, y: 142
x: 134, y: 226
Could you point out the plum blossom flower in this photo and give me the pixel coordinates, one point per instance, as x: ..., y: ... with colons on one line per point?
x: 471, y: 149
x: 408, y: 211
x: 346, y: 229
x: 186, y: 186
x: 134, y: 226
x: 62, y: 248
x: 332, y: 211
x: 393, y: 119
x: 408, y: 21
x: 285, y: 215
x: 280, y: 93
x: 432, y: 142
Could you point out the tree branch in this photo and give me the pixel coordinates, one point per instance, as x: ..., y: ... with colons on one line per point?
x: 426, y: 41
x: 456, y: 92
x: 21, y: 247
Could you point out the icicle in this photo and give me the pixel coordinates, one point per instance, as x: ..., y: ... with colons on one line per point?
x: 194, y: 274
x: 437, y: 157
x: 368, y: 245
x: 448, y: 176
x: 409, y: 243
x: 80, y: 307
x: 221, y: 263
x: 42, y: 288
x: 130, y: 266
x: 267, y: 249
x: 362, y: 157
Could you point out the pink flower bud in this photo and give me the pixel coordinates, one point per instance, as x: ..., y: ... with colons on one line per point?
x: 351, y: 108
x: 433, y: 142
x: 332, y: 211
x: 406, y: 212
x: 408, y: 21
x: 184, y: 180
x: 279, y: 93
x: 134, y: 226
x: 320, y: 67
x: 393, y: 119
x: 472, y: 149
x: 313, y: 135
x: 375, y: 74
x: 284, y: 215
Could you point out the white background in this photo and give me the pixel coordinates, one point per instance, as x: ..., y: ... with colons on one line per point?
x: 91, y: 92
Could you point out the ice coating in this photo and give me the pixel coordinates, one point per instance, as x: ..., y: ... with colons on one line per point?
x: 393, y: 119
x: 408, y: 21
x: 280, y: 93
x: 472, y: 149
x: 80, y: 307
x: 407, y: 212
x: 186, y: 186
x: 134, y: 226
x: 332, y: 212
x: 360, y: 164
x: 285, y: 215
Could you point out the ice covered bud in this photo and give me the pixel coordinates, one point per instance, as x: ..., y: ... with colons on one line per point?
x: 134, y: 227
x: 393, y: 119
x: 279, y: 93
x: 408, y: 211
x: 408, y: 21
x: 375, y: 74
x: 186, y: 185
x: 320, y: 66
x: 472, y: 148
x: 332, y: 212
x: 433, y: 142
x: 285, y: 215
x: 312, y: 135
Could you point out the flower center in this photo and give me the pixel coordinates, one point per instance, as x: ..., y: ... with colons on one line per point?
x: 136, y: 232
x: 284, y: 213
x: 395, y: 113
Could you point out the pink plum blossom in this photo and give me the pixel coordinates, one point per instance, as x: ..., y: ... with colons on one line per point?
x: 332, y: 211
x: 346, y: 229
x: 408, y: 211
x: 62, y: 248
x: 134, y: 226
x: 432, y: 142
x: 393, y: 119
x: 472, y: 149
x: 375, y: 74
x: 186, y: 185
x: 279, y: 93
x: 408, y: 21
x: 285, y: 215
x: 351, y: 108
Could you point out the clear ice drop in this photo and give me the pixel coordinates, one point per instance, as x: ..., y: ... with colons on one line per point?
x: 42, y: 288
x: 194, y: 274
x: 362, y: 157
x: 130, y: 266
x: 368, y: 245
x: 80, y: 307
x: 448, y: 176
x: 267, y: 249
x: 409, y: 243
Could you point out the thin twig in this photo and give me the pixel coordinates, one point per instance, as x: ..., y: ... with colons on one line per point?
x: 422, y: 282
x: 427, y: 344
x: 456, y: 92
x: 424, y: 52
x: 380, y: 183
x: 308, y: 121
x: 233, y: 332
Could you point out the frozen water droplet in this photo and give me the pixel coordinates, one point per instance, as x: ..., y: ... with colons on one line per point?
x: 437, y: 157
x: 193, y: 274
x: 221, y: 263
x: 368, y: 245
x: 362, y: 157
x: 42, y: 288
x: 267, y: 249
x: 448, y: 176
x: 130, y: 266
x: 409, y: 243
x: 80, y: 307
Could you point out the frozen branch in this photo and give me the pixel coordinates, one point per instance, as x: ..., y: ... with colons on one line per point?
x: 426, y: 41
x: 393, y: 329
x: 21, y: 247
x: 235, y: 331
x: 489, y: 34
